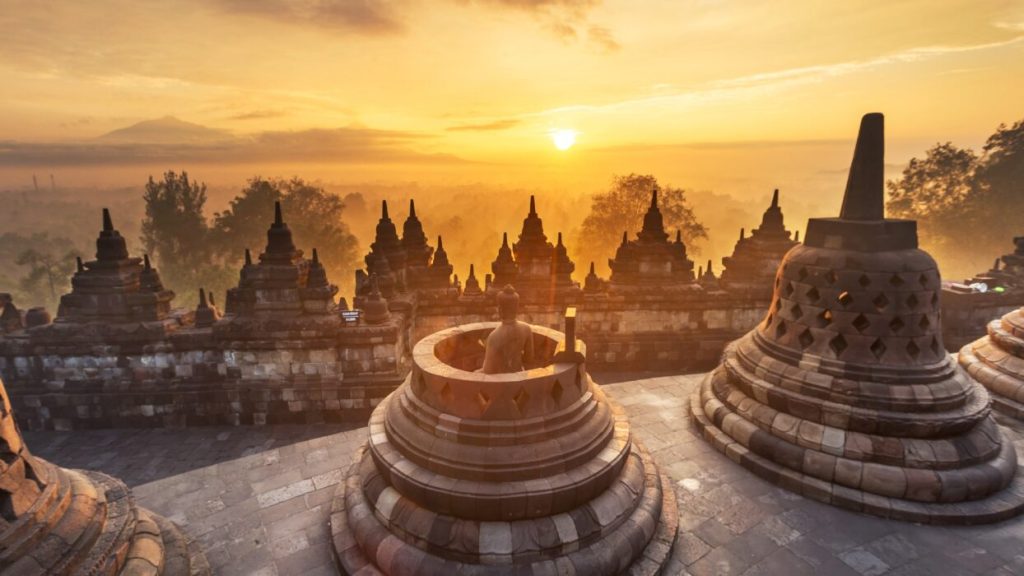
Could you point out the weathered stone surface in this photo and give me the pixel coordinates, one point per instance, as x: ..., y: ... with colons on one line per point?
x: 502, y: 473
x: 878, y: 417
x: 997, y: 362
x: 280, y: 354
x: 58, y: 521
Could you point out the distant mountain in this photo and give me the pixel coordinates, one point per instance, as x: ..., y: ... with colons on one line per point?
x: 166, y: 130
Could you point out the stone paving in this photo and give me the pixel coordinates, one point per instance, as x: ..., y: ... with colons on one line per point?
x: 257, y: 499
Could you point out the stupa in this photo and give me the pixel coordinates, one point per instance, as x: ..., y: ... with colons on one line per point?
x: 844, y: 392
x: 58, y: 521
x: 756, y: 257
x: 540, y: 271
x: 997, y: 362
x: 417, y: 252
x: 115, y: 287
x: 282, y: 284
x: 387, y: 257
x: 651, y: 262
x: 529, y: 472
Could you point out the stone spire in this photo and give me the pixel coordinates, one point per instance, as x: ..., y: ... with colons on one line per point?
x: 472, y: 288
x: 317, y: 276
x: 280, y: 248
x: 654, y: 225
x: 845, y: 393
x: 865, y: 189
x: 561, y: 266
x: 504, y: 266
x: 115, y: 288
x: 149, y: 278
x: 440, y: 270
x: 375, y: 307
x: 283, y: 285
x: 387, y: 257
x: 110, y: 245
x: 652, y: 263
x: 753, y: 262
x: 440, y: 255
x: 593, y: 283
x: 532, y: 250
x: 205, y: 315
x: 414, y: 241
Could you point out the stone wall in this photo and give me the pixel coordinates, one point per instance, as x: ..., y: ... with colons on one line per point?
x: 194, y: 379
x: 628, y: 335
x: 965, y: 316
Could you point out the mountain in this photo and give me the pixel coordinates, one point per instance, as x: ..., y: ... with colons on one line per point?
x: 166, y: 130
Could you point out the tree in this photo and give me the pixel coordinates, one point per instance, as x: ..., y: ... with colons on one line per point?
x: 939, y: 192
x: 175, y: 234
x: 313, y: 214
x: 622, y: 208
x: 50, y: 266
x: 1000, y: 183
x: 956, y: 195
x: 932, y: 188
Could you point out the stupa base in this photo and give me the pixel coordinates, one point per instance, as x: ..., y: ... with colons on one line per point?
x: 996, y: 370
x: 393, y: 556
x: 1003, y: 505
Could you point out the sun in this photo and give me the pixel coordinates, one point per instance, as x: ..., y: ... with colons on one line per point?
x: 563, y: 138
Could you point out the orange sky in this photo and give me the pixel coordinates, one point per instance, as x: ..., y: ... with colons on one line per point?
x: 735, y: 96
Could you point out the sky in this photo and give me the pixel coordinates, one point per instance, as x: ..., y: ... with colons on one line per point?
x: 738, y: 97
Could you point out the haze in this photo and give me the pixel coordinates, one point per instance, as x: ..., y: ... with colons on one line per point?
x: 728, y: 98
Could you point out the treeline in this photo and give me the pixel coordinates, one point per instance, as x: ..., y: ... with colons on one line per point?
x: 968, y: 204
x: 195, y: 250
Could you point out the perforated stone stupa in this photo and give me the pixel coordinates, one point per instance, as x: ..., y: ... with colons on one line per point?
x: 997, y: 362
x: 524, y: 473
x: 57, y: 521
x: 844, y: 392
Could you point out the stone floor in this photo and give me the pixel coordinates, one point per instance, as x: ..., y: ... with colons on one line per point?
x: 257, y: 499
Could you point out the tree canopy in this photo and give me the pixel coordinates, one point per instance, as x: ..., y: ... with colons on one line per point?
x: 622, y: 208
x: 313, y: 214
x: 967, y: 205
x: 176, y: 235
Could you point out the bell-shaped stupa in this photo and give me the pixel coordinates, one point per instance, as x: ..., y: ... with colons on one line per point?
x: 997, y: 362
x: 844, y: 392
x: 56, y: 520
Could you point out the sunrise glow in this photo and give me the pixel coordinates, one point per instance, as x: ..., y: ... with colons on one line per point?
x: 563, y: 138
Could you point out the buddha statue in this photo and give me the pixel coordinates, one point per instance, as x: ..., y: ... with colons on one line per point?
x: 509, y: 347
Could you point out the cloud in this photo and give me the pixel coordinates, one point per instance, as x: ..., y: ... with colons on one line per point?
x: 362, y: 16
x: 602, y: 38
x: 486, y: 126
x: 258, y: 115
x: 566, y: 19
x: 771, y: 82
x: 349, y: 145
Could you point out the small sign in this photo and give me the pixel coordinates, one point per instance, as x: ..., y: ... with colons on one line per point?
x: 350, y: 316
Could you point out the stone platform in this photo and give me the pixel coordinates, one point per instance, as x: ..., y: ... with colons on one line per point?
x: 258, y: 499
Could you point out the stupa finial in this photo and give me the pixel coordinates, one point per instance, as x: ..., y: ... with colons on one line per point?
x: 865, y: 189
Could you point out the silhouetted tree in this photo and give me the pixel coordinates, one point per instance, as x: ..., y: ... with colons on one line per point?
x: 1000, y: 183
x: 967, y: 206
x: 175, y: 234
x: 313, y: 214
x: 50, y: 266
x: 622, y: 208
